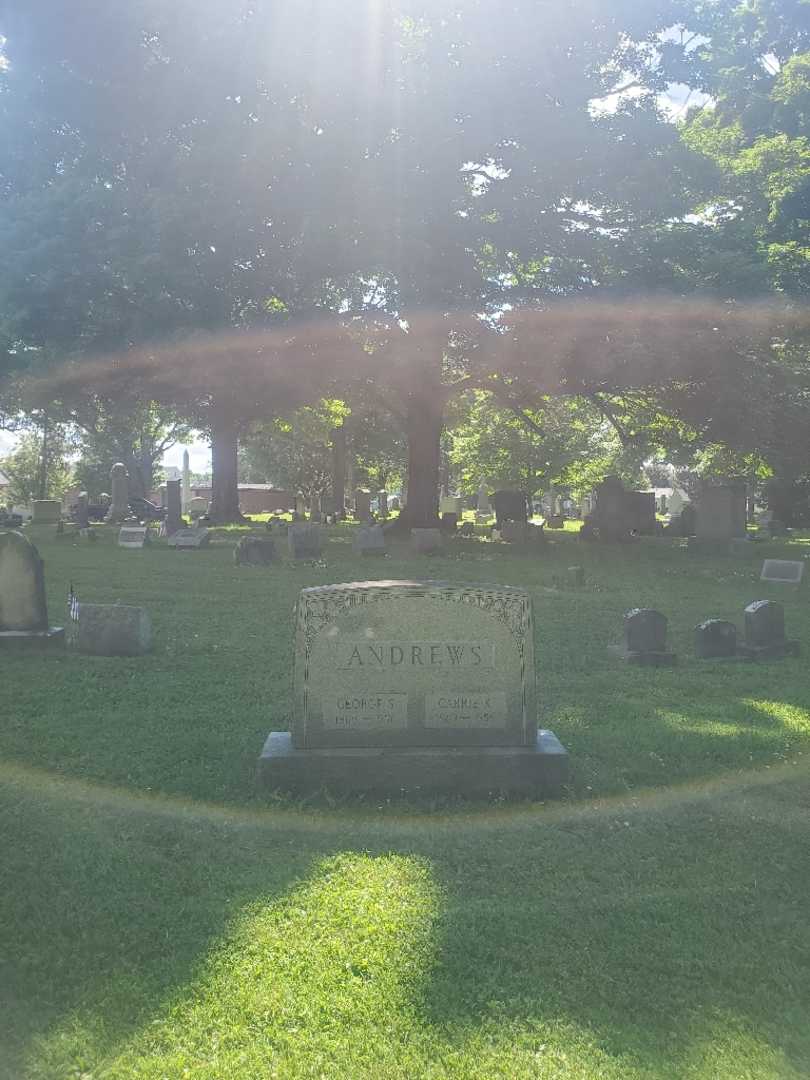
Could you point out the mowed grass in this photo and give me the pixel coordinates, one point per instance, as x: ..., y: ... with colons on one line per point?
x: 157, y: 919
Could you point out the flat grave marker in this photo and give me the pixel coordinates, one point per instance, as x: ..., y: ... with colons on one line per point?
x: 782, y: 571
x: 133, y: 536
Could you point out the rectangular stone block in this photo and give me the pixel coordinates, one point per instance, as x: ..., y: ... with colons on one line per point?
x: 540, y: 770
x: 132, y: 536
x: 304, y: 541
x: 782, y: 571
x: 402, y: 663
x: 46, y: 511
x: 426, y: 541
x: 110, y: 630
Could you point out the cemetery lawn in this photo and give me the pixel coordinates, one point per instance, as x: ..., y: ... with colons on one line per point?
x: 158, y: 920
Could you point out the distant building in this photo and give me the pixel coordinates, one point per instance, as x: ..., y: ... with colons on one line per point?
x: 254, y: 498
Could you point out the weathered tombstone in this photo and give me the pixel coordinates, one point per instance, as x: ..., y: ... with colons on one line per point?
x: 300, y: 506
x: 448, y: 522
x: 255, y: 551
x: 119, y: 506
x: 451, y: 504
x: 715, y: 638
x: 721, y: 515
x: 197, y: 506
x: 369, y: 541
x: 555, y: 521
x: 394, y: 503
x: 133, y: 536
x: 189, y: 539
x: 426, y: 541
x: 23, y: 609
x: 466, y: 529
x: 382, y: 502
x: 46, y: 511
x: 174, y: 507
x: 82, y: 512
x: 645, y: 638
x: 515, y: 532
x: 304, y: 541
x: 782, y: 571
x: 484, y: 506
x: 362, y: 505
x: 414, y: 686
x: 765, y: 631
x: 576, y: 576
x: 110, y: 630
x: 509, y: 506
x: 315, y: 512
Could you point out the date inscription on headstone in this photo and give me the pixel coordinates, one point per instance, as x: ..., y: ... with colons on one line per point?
x: 464, y: 710
x: 365, y: 712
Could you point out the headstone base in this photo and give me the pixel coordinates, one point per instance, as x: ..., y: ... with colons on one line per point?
x: 650, y: 659
x: 536, y: 771
x: 775, y: 650
x: 54, y: 635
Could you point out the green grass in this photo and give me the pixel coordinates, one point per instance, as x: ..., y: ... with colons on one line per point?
x: 157, y: 920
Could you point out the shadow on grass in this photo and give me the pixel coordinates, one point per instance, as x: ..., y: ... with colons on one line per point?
x: 634, y: 939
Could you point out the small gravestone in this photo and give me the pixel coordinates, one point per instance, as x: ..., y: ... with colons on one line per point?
x: 448, y: 522
x: 46, y: 511
x: 555, y: 521
x: 484, y: 507
x: 466, y: 529
x: 576, y: 576
x: 109, y: 630
x: 451, y: 504
x: 362, y: 505
x: 426, y: 541
x: 765, y: 632
x: 417, y: 686
x: 382, y: 502
x: 82, y: 512
x: 189, y: 539
x: 782, y: 571
x: 133, y: 536
x: 715, y: 638
x: 174, y: 507
x: 304, y: 541
x: 645, y: 638
x: 197, y: 506
x: 369, y: 541
x: 255, y: 551
x: 315, y: 511
x: 119, y: 505
x: 23, y: 609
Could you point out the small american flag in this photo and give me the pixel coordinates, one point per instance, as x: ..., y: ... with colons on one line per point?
x: 73, y: 604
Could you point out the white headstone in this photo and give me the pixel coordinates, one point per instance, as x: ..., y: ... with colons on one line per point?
x: 132, y: 536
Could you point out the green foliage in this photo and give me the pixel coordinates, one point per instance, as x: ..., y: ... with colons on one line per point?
x: 24, y: 468
x: 294, y: 453
x: 566, y: 442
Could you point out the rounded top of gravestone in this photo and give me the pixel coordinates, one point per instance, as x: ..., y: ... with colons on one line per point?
x: 759, y: 605
x: 721, y: 626
x: 118, y: 469
x: 611, y: 483
x: 644, y: 613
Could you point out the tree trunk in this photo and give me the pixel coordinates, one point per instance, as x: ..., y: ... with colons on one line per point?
x: 425, y: 421
x: 339, y: 470
x: 224, y: 507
